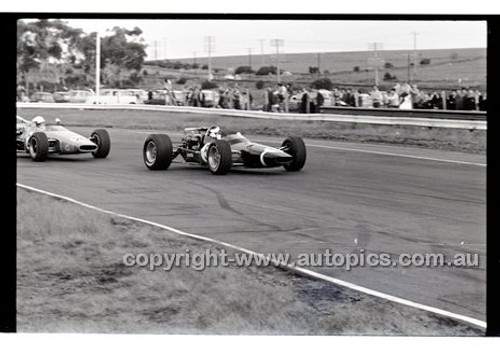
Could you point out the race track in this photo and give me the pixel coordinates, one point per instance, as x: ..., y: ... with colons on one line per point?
x: 347, y: 198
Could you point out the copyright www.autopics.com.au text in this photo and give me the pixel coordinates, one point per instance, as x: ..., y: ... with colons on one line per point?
x: 209, y: 259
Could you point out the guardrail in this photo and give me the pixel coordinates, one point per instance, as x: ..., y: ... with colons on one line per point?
x: 413, y: 113
x: 353, y: 117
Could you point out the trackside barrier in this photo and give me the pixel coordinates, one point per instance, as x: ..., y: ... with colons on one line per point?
x: 352, y: 118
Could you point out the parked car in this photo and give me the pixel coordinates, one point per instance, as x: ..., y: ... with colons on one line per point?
x: 79, y: 96
x: 61, y: 96
x: 42, y: 97
x: 115, y: 96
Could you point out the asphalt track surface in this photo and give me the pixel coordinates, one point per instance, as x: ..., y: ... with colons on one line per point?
x: 349, y: 198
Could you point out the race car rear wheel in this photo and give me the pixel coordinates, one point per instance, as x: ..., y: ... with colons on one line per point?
x: 157, y: 152
x: 39, y: 146
x: 219, y: 157
x: 295, y: 146
x: 103, y: 142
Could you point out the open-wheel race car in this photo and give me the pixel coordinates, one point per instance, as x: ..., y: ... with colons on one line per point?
x: 220, y: 150
x: 39, y: 140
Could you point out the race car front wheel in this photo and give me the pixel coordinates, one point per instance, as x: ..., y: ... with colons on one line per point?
x: 295, y: 146
x: 103, y: 142
x: 157, y: 152
x: 39, y: 146
x: 219, y: 157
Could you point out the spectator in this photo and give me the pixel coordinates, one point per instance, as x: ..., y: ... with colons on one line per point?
x: 405, y: 101
x: 376, y: 97
x: 482, y: 102
x: 404, y: 90
x: 392, y: 100
x: 451, y: 101
x: 470, y: 100
x: 349, y: 98
x: 460, y: 98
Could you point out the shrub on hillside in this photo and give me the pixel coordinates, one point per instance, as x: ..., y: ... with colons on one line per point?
x: 243, y: 70
x: 208, y: 85
x: 322, y: 84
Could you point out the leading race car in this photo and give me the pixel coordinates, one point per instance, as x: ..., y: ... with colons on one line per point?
x: 220, y: 150
x: 40, y: 140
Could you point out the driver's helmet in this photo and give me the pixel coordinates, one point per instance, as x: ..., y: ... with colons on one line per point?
x: 214, y: 132
x: 39, y: 122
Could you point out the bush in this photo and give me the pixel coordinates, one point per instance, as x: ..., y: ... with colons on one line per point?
x: 267, y: 70
x: 145, y: 73
x: 313, y: 70
x: 425, y: 62
x: 356, y: 69
x: 204, y: 67
x: 388, y: 65
x: 259, y: 85
x: 243, y: 70
x: 322, y: 84
x: 181, y: 81
x: 389, y: 77
x: 207, y: 85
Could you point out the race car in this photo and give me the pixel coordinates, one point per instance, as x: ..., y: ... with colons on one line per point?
x: 219, y: 150
x: 40, y: 140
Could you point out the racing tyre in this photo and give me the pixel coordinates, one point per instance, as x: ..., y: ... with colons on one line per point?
x: 219, y: 157
x: 157, y: 152
x: 39, y: 146
x: 103, y: 142
x: 295, y: 146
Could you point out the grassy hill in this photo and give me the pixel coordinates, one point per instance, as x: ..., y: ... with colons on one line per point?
x: 448, y: 68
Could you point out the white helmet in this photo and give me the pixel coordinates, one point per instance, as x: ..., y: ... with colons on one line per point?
x: 214, y: 132
x: 39, y: 121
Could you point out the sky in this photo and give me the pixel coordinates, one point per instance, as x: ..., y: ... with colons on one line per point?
x: 174, y: 39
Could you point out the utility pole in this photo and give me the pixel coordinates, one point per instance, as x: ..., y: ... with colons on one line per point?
x: 375, y: 61
x: 319, y: 64
x: 210, y: 47
x: 261, y: 52
x: 409, y: 70
x: 414, y: 33
x: 97, y: 63
x: 278, y: 43
x: 250, y: 57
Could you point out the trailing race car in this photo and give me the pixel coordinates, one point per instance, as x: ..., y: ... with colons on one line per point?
x: 40, y: 140
x: 219, y: 150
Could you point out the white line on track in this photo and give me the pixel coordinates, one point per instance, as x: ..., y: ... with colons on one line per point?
x: 382, y: 153
x: 302, y: 271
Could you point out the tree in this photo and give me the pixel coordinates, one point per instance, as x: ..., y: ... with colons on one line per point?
x: 123, y: 50
x: 356, y: 69
x: 388, y: 65
x: 41, y: 41
x: 425, y: 62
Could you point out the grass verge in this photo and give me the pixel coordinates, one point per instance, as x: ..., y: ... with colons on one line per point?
x: 435, y: 138
x: 71, y: 279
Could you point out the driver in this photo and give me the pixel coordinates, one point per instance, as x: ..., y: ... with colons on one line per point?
x: 214, y: 132
x: 39, y: 122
